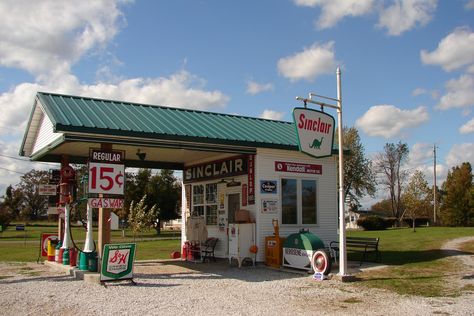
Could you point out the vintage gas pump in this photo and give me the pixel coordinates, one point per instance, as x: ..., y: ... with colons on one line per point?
x: 67, y: 187
x: 88, y: 256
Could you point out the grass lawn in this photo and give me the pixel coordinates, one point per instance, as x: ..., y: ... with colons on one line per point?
x: 23, y: 246
x: 417, y: 265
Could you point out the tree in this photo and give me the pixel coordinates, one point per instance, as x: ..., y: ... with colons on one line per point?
x: 359, y: 177
x: 457, y: 207
x: 14, y: 200
x: 389, y: 164
x: 141, y: 217
x: 382, y: 208
x: 35, y: 205
x: 417, y: 197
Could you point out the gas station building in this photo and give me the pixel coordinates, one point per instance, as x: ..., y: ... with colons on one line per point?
x: 230, y: 163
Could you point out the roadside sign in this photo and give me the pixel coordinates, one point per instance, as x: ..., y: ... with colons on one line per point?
x: 44, y: 242
x: 47, y: 189
x: 105, y: 203
x: 117, y: 262
x: 315, y: 131
x: 106, y: 178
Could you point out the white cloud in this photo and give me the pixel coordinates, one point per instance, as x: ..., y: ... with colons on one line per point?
x: 312, y: 62
x: 404, y: 15
x: 332, y: 11
x: 421, y: 158
x: 453, y: 52
x: 389, y: 121
x: 418, y: 91
x: 460, y: 153
x: 460, y: 93
x: 272, y: 115
x: 254, y: 88
x: 469, y: 5
x: 49, y: 35
x: 467, y: 128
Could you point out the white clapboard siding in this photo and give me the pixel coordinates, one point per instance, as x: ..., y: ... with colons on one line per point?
x: 326, y: 229
x: 45, y: 135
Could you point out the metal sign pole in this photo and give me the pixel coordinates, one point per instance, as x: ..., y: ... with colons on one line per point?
x: 342, y: 223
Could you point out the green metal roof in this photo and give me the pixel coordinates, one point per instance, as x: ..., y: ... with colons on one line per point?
x: 98, y: 116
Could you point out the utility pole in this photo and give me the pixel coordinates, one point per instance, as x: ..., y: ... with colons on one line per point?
x: 434, y: 183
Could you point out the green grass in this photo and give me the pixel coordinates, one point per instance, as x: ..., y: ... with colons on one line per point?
x: 417, y: 265
x: 14, y: 246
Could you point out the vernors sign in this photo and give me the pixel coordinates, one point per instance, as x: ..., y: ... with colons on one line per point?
x: 315, y: 131
x: 233, y: 166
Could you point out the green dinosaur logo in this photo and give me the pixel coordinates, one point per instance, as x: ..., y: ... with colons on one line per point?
x: 316, y: 143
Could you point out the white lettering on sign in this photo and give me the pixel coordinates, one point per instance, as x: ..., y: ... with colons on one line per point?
x: 315, y: 131
x: 106, y: 156
x: 105, y: 203
x: 106, y: 178
x: 215, y: 169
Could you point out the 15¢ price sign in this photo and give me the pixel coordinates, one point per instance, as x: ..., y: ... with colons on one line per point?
x: 106, y: 178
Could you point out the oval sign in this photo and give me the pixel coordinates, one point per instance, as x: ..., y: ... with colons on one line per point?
x: 267, y: 186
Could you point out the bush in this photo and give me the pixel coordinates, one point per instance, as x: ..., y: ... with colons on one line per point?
x: 374, y: 223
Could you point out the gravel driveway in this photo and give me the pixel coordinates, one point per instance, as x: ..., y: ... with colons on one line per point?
x: 174, y: 287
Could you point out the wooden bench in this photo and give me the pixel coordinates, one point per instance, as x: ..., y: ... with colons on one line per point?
x: 364, y: 245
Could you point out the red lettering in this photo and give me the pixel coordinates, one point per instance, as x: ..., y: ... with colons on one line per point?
x: 302, y: 120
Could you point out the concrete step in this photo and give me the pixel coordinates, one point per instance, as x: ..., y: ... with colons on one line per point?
x: 87, y: 276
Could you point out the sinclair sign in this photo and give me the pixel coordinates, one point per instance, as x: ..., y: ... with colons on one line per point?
x: 315, y: 131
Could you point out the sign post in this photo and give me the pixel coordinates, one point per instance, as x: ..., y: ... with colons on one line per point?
x: 342, y: 224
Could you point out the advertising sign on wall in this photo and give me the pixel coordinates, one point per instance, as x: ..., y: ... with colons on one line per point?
x: 315, y: 131
x: 283, y: 166
x: 268, y: 186
x: 117, y: 262
x: 269, y: 206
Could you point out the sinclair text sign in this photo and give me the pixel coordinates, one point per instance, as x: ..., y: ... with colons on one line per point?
x: 117, y: 262
x: 315, y: 131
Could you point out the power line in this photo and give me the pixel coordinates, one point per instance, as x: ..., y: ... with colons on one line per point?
x: 12, y: 170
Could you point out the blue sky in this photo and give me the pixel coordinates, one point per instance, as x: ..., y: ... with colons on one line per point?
x: 407, y: 65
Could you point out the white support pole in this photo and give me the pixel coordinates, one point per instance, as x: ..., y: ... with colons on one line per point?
x: 89, y: 243
x: 67, y: 229
x: 342, y: 220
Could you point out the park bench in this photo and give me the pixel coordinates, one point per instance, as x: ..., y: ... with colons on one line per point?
x: 364, y: 245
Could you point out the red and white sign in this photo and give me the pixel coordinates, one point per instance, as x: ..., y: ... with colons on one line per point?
x: 44, y: 242
x: 105, y: 203
x: 47, y: 189
x: 251, y: 180
x: 315, y: 130
x: 294, y: 167
x: 106, y: 178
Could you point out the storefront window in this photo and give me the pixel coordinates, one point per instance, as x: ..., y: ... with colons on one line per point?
x: 289, y: 201
x: 205, y: 202
x: 298, y: 202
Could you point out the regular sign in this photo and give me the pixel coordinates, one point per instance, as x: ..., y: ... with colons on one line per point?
x: 315, y: 131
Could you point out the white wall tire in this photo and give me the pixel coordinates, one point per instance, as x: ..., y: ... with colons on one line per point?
x: 321, y: 262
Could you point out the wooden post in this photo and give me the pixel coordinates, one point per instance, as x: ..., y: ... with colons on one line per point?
x: 104, y: 220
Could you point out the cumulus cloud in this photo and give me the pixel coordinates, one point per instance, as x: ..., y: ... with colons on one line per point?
x: 404, y: 15
x: 317, y: 60
x: 418, y: 91
x: 254, y: 88
x: 389, y: 121
x: 332, y: 11
x: 49, y: 35
x: 460, y: 153
x: 459, y: 93
x: 453, y: 52
x: 467, y: 128
x: 272, y: 115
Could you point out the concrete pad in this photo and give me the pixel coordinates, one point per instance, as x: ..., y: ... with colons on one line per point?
x: 87, y: 276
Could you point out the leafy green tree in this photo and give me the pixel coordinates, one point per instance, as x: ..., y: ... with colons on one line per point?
x: 13, y: 199
x: 141, y: 217
x: 389, y: 164
x: 382, y: 208
x: 457, y: 207
x: 35, y: 205
x: 359, y: 177
x: 417, y: 197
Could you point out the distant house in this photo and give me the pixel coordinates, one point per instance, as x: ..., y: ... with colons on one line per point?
x: 353, y: 216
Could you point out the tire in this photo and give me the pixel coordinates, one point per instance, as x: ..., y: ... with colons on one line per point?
x: 321, y: 262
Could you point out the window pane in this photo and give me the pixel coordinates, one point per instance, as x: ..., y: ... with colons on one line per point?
x: 211, y: 215
x: 198, y: 211
x: 198, y: 194
x: 288, y: 201
x: 308, y: 199
x: 211, y: 193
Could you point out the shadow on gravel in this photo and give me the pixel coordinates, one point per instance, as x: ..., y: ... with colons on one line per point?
x: 221, y: 269
x: 64, y: 278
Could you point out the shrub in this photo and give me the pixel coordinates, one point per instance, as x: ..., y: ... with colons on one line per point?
x: 5, y: 216
x: 373, y: 223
